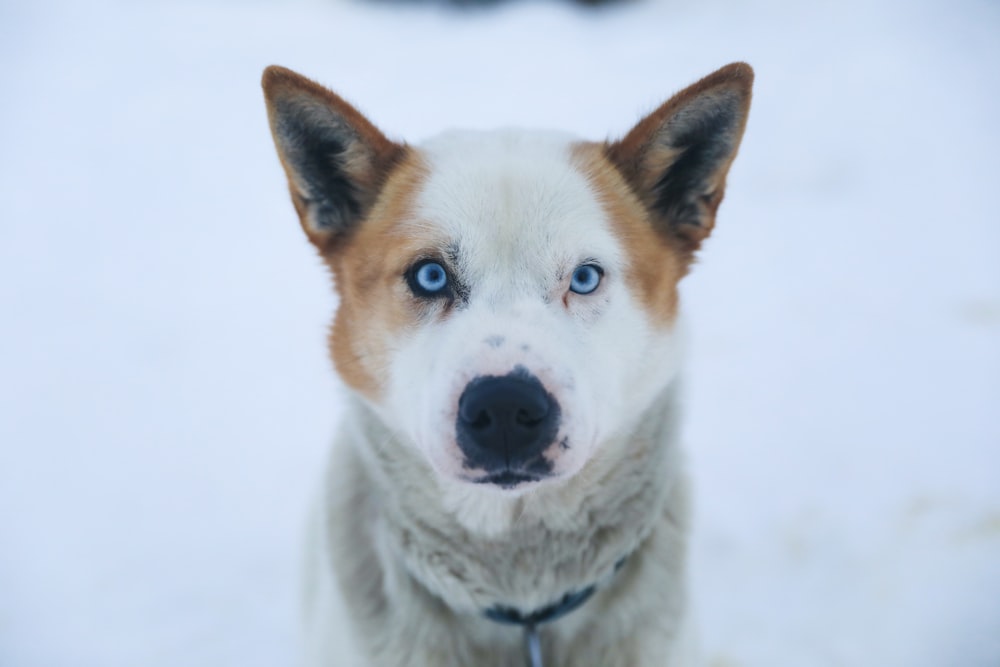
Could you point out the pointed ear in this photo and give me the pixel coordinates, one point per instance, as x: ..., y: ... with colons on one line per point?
x: 677, y: 157
x: 336, y: 161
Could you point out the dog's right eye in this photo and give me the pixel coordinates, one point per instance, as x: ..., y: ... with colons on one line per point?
x: 586, y: 278
x: 428, y: 279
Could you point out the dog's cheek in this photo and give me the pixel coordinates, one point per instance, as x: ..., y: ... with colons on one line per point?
x: 371, y: 323
x: 414, y: 381
x: 648, y: 364
x: 618, y: 349
x: 358, y: 358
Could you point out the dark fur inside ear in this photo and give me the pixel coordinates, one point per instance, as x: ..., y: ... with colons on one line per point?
x: 699, y: 142
x: 336, y: 161
x: 317, y: 145
x: 677, y: 158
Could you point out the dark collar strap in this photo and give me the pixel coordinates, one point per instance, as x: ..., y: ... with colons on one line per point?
x: 530, y: 622
x: 568, y: 603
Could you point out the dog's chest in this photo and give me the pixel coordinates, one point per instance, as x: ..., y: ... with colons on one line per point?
x: 533, y: 565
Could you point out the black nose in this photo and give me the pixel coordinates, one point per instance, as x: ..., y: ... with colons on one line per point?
x: 504, y: 424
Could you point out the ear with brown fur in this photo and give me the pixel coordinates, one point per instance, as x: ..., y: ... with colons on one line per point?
x: 336, y: 161
x: 677, y: 157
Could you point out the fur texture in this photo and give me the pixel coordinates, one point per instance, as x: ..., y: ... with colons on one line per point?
x: 406, y: 539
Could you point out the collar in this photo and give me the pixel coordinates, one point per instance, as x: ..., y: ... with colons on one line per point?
x: 569, y: 602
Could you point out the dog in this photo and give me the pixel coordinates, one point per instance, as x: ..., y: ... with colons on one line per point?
x: 506, y: 486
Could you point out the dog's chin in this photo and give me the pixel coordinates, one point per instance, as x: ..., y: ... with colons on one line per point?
x: 510, y: 480
x: 488, y: 504
x: 452, y: 471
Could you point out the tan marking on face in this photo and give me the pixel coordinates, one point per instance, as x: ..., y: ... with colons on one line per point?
x: 376, y: 306
x: 656, y: 264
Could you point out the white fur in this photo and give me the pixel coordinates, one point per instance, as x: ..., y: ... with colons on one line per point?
x: 418, y: 551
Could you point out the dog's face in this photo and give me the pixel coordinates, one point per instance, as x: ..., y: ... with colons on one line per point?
x: 508, y: 299
x: 517, y: 341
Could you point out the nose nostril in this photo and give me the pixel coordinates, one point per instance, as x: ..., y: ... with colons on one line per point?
x: 481, y: 421
x: 524, y: 418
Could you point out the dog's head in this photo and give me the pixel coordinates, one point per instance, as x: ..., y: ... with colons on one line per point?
x: 507, y: 299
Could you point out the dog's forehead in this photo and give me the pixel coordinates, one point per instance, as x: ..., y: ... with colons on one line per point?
x: 514, y: 199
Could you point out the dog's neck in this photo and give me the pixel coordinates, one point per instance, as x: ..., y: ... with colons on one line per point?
x: 538, y: 546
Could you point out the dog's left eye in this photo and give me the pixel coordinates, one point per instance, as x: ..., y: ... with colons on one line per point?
x: 586, y: 278
x: 428, y: 279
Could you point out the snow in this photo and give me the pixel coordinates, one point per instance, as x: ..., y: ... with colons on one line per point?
x: 165, y: 399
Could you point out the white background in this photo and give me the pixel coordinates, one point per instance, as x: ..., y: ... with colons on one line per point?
x: 166, y: 402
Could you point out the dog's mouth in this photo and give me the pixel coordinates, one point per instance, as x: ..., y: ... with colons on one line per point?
x: 508, y: 479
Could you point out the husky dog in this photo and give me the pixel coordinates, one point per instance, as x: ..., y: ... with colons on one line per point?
x: 506, y: 477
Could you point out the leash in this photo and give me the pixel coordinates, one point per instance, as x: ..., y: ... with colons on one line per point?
x: 533, y: 646
x: 530, y: 622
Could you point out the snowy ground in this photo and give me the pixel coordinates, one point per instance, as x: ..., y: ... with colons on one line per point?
x: 165, y: 401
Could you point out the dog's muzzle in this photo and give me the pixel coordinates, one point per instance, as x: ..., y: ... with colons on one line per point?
x: 505, y: 424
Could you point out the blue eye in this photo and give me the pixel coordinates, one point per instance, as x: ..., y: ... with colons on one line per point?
x: 586, y: 278
x: 429, y: 279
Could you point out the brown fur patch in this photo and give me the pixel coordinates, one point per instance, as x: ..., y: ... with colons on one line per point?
x: 656, y: 264
x: 376, y: 306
